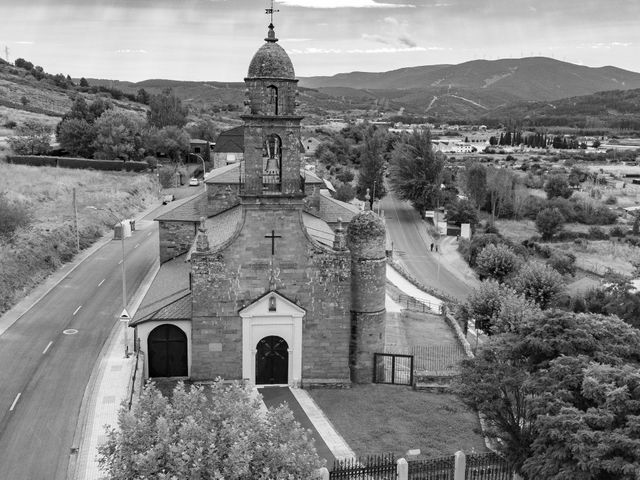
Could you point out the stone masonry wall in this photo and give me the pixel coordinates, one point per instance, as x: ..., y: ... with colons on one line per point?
x: 176, y: 238
x: 367, y: 338
x: 315, y: 278
x: 221, y: 198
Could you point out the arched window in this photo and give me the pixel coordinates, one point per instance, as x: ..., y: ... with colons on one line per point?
x: 272, y: 163
x: 272, y: 100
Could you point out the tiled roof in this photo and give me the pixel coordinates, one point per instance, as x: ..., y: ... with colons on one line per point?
x: 230, y: 141
x: 229, y: 174
x: 311, y: 178
x: 318, y: 229
x: 190, y: 211
x: 179, y: 309
x: 220, y: 228
x: 332, y: 209
x: 170, y: 283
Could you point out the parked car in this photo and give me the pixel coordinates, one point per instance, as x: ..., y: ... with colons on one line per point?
x: 194, y: 182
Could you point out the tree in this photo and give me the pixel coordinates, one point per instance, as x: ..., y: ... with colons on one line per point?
x: 118, y: 136
x: 345, y: 192
x: 32, y: 138
x: 77, y: 136
x: 142, y: 96
x: 475, y: 183
x: 539, y: 283
x: 203, y: 435
x: 415, y: 171
x: 84, y: 82
x: 13, y: 215
x: 170, y: 141
x: 497, y: 262
x: 557, y: 186
x: 549, y: 221
x: 166, y: 109
x: 500, y: 186
x: 371, y: 172
x: 204, y: 129
x: 559, y: 393
x: 462, y: 211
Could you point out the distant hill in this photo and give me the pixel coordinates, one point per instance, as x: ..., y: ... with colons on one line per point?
x: 532, y: 78
x: 614, y: 108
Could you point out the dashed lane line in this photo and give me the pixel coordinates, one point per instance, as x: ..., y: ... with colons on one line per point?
x: 100, y: 284
x: 13, y: 405
x: 120, y: 262
x: 137, y: 245
x: 77, y: 310
x: 47, y: 348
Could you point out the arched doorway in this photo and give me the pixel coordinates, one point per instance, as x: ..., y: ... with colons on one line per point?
x: 167, y: 346
x: 272, y: 361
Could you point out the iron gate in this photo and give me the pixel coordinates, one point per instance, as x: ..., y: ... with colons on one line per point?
x: 393, y: 368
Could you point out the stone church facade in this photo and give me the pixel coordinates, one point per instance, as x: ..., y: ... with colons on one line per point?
x: 254, y: 283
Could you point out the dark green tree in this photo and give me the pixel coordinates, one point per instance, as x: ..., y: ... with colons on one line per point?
x: 475, y: 183
x: 166, y: 109
x: 549, y: 221
x: 83, y: 82
x: 371, y: 171
x: 557, y: 186
x: 415, y: 171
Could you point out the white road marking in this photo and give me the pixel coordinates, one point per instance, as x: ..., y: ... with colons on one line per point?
x: 100, y: 284
x: 137, y: 245
x: 119, y: 262
x: 46, y: 349
x: 13, y: 405
x: 149, y: 234
x: 77, y: 310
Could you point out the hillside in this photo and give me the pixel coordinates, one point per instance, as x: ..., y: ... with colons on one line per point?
x: 533, y: 78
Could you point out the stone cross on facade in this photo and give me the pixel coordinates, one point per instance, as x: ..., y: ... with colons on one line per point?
x: 273, y: 237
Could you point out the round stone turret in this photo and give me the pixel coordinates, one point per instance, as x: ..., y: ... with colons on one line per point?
x: 366, y: 241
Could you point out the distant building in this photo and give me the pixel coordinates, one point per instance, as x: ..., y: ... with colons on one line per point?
x: 199, y: 147
x: 229, y: 147
x: 311, y: 144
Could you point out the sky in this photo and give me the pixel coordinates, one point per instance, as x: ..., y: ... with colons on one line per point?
x: 215, y: 40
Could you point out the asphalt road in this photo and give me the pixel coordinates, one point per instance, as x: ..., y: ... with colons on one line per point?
x: 44, y: 370
x: 411, y: 244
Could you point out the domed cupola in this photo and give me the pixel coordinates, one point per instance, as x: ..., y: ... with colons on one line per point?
x: 271, y: 61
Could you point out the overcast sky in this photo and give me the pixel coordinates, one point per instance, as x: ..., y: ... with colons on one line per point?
x: 215, y: 39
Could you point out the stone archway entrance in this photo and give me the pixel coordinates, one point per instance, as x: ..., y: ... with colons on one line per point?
x: 272, y: 361
x: 167, y: 347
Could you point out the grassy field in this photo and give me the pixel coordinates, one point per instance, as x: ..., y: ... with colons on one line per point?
x: 387, y: 418
x: 45, y: 195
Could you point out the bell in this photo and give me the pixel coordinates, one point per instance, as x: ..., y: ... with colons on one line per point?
x: 272, y: 167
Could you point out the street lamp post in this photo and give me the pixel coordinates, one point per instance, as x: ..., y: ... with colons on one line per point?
x: 204, y: 168
x: 124, y: 277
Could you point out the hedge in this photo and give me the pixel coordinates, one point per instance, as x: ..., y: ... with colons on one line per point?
x: 68, y: 162
x: 87, y: 163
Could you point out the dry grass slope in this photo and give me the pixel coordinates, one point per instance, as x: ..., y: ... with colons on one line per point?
x: 32, y: 253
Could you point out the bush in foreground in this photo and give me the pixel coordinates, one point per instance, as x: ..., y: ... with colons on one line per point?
x: 195, y: 435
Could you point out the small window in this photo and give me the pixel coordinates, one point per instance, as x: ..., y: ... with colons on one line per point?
x: 196, y: 150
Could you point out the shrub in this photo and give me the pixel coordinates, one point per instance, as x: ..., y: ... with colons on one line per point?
x: 477, y: 244
x: 532, y: 206
x: 611, y: 200
x: 491, y: 228
x: 549, y: 222
x: 167, y: 176
x: 564, y: 264
x: 10, y: 124
x: 617, y: 231
x: 152, y: 162
x: 13, y: 215
x: 497, y: 262
x: 32, y: 160
x: 539, y: 283
x: 132, y: 166
x: 345, y: 192
x: 597, y: 233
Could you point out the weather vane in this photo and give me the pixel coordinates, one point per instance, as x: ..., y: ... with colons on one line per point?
x: 271, y: 11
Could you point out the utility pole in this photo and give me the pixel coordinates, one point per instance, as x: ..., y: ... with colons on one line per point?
x: 75, y: 221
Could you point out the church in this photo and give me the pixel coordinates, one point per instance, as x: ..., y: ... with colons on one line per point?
x: 264, y: 277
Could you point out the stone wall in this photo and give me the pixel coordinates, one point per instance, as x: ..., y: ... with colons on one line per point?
x: 367, y: 338
x: 221, y: 198
x: 176, y: 238
x: 315, y: 278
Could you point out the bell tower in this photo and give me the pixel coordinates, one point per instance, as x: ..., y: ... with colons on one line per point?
x: 272, y: 157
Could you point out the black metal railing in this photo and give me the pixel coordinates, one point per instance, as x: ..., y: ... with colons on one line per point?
x: 487, y: 466
x: 442, y: 468
x: 393, y: 368
x: 373, y: 467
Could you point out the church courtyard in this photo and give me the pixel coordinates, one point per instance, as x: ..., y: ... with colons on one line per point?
x: 376, y: 419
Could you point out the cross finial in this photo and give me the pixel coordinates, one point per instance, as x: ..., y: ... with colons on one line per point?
x: 271, y: 11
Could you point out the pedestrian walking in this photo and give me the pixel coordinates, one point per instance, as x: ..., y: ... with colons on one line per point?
x: 432, y: 246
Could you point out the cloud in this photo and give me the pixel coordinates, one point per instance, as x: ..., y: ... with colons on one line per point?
x: 601, y: 45
x: 342, y: 4
x: 405, y: 40
x: 128, y: 51
x: 316, y: 51
x: 375, y: 38
x: 25, y: 42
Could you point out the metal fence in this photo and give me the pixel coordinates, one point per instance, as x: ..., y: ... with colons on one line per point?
x: 374, y: 467
x: 393, y: 368
x: 487, y: 466
x: 414, y: 305
x: 433, y: 358
x: 442, y: 468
